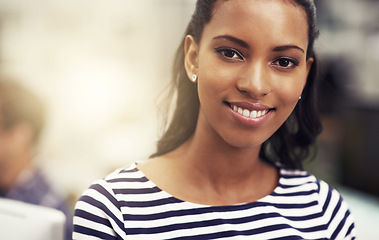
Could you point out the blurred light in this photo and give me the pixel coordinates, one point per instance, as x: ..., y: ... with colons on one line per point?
x: 93, y: 92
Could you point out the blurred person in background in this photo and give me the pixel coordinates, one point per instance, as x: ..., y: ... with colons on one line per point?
x: 21, y: 122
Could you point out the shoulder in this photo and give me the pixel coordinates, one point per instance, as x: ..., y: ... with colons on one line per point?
x: 304, y: 183
x: 121, y: 180
x: 296, y: 177
x: 99, y: 207
x: 296, y: 183
x: 302, y: 180
x: 333, y: 210
x: 119, y: 187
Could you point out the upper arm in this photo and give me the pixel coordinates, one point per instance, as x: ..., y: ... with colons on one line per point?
x: 340, y: 223
x: 98, y: 215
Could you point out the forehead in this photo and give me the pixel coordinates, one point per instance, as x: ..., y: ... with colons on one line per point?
x: 281, y: 19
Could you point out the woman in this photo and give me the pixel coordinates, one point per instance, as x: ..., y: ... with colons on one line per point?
x: 229, y: 164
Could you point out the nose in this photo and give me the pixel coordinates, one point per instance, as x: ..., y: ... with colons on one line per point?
x: 254, y: 80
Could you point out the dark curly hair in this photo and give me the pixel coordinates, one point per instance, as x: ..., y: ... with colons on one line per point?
x: 290, y: 145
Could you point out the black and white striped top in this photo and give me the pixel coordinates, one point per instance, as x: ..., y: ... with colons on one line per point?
x: 126, y: 205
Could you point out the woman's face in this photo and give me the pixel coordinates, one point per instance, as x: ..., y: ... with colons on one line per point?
x: 251, y: 66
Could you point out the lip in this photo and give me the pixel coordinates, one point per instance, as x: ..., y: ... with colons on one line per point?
x: 249, y: 121
x: 250, y: 106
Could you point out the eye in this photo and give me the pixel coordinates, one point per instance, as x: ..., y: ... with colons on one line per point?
x: 229, y: 53
x: 286, y: 63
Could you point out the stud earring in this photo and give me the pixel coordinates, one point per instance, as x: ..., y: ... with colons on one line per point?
x: 194, y: 78
x: 299, y: 97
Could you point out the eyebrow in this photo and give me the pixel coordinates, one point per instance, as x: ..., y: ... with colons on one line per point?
x: 233, y: 39
x: 246, y: 45
x: 287, y: 47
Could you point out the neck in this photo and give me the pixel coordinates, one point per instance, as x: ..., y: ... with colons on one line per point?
x: 208, y: 170
x: 202, y: 152
x: 222, y: 175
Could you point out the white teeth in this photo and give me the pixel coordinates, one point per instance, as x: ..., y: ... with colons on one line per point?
x: 247, y: 113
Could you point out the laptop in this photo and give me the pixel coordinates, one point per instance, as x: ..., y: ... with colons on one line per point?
x: 21, y: 221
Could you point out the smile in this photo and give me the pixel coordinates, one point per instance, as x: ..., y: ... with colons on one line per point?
x: 249, y: 114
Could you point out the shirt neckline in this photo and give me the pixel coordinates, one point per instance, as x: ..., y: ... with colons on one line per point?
x: 264, y: 199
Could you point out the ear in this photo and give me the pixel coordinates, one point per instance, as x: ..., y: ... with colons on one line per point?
x: 191, y: 52
x: 309, y: 65
x: 308, y: 69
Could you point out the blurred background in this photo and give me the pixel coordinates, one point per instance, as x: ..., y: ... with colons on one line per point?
x: 101, y: 66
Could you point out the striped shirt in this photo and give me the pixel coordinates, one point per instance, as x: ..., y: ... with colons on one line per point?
x: 126, y: 205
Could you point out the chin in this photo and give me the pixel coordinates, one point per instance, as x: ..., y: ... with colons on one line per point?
x: 244, y: 143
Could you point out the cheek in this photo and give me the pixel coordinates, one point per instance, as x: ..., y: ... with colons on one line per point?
x: 296, y: 81
x: 214, y: 80
x: 208, y: 91
x: 288, y: 90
